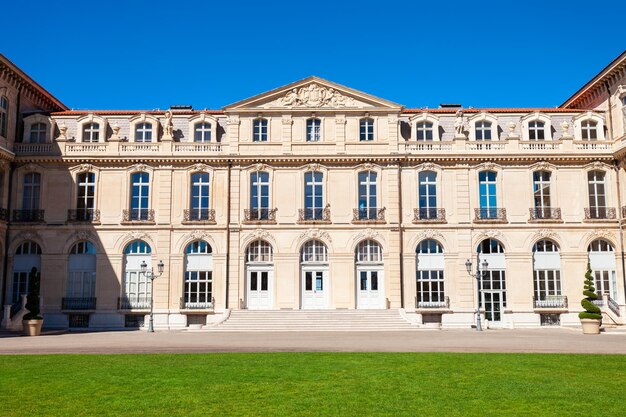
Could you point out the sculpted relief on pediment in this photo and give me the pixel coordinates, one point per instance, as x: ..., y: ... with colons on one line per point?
x: 314, y: 96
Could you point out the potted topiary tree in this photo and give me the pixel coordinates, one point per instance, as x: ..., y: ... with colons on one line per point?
x: 591, y: 318
x: 32, y: 321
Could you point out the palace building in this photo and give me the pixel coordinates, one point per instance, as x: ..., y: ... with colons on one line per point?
x: 313, y: 196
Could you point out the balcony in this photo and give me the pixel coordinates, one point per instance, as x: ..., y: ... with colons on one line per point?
x: 429, y: 215
x: 129, y: 302
x: 78, y: 303
x: 600, y: 213
x: 197, y: 305
x: 545, y: 214
x: 33, y: 148
x: 490, y: 215
x: 433, y: 305
x: 369, y: 215
x: 259, y: 215
x: 198, y: 147
x: 138, y: 216
x: 83, y: 215
x: 427, y: 146
x: 314, y: 215
x: 28, y: 216
x: 551, y: 302
x: 4, y: 215
x: 199, y: 216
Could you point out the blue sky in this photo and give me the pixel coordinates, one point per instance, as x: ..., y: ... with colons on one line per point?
x: 152, y: 54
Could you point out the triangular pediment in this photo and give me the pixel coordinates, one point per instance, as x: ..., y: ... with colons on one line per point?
x: 312, y: 93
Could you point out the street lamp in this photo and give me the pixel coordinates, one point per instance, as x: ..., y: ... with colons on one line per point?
x: 480, y: 272
x: 151, y: 275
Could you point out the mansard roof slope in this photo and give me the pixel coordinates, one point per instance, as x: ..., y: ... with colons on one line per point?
x: 7, y: 66
x: 597, y: 82
x: 497, y: 110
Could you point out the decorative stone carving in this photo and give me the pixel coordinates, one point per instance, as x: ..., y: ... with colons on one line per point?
x: 544, y: 234
x: 314, y: 234
x: 62, y: 133
x: 492, y: 234
x: 603, y: 234
x: 199, y: 168
x: 83, y: 235
x: 511, y: 126
x: 313, y: 167
x: 367, y: 166
x: 168, y: 127
x: 429, y: 234
x: 84, y: 168
x: 429, y: 166
x: 116, y: 133
x: 489, y: 166
x: 198, y: 235
x: 340, y: 120
x: 232, y: 120
x: 543, y: 166
x: 139, y: 167
x: 368, y: 234
x: 460, y: 127
x: 598, y: 165
x: 565, y: 126
x: 314, y: 95
x: 259, y: 167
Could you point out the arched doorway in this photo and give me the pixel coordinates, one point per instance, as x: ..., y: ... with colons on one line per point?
x: 259, y: 275
x: 603, y: 265
x: 370, y: 290
x: 137, y: 288
x: 27, y: 256
x: 493, y: 281
x: 314, y: 273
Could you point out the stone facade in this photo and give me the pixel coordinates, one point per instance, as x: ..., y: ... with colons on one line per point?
x: 367, y: 157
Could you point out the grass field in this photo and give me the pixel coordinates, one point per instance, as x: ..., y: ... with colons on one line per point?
x: 313, y: 384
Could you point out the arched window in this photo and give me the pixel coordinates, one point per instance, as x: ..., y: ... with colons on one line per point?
x: 27, y: 256
x: 200, y: 191
x: 429, y: 279
x: 314, y: 251
x: 589, y: 130
x: 483, y: 130
x: 260, y: 251
x: 369, y: 251
x: 597, y: 195
x: 368, y: 209
x: 313, y: 130
x: 140, y: 196
x: 492, y: 282
x: 38, y: 133
x: 536, y: 130
x: 198, y: 276
x: 259, y: 130
x: 603, y: 265
x: 137, y: 287
x: 547, y: 275
x: 91, y: 132
x: 366, y: 129
x: 81, y: 280
x: 143, y: 132
x: 4, y: 115
x: 202, y: 132
x: 424, y: 131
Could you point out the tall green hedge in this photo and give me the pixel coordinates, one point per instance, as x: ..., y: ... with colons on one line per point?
x: 592, y: 311
x: 32, y: 301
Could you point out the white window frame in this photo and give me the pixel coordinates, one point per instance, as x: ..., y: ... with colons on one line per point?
x: 424, y: 118
x: 32, y: 120
x: 315, y: 137
x: 91, y: 118
x: 483, y: 117
x: 203, y: 117
x: 537, y: 117
x: 589, y: 116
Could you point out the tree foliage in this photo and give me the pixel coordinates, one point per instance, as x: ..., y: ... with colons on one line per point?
x: 592, y: 311
x: 32, y: 301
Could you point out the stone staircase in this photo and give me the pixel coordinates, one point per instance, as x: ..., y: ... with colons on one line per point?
x: 313, y: 320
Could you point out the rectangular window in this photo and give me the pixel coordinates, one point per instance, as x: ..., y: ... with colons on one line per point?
x: 547, y: 284
x: 140, y: 183
x: 85, y: 198
x: 30, y: 197
x: 199, y: 203
x: 259, y: 195
x: 367, y: 196
x: 313, y: 199
x: 541, y: 194
x: 430, y: 289
x: 427, y: 195
x: 313, y: 130
x: 259, y: 130
x: 143, y: 132
x: 487, y: 192
x: 366, y: 129
x: 597, y: 195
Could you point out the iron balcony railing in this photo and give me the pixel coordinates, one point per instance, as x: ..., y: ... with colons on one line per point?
x: 600, y: 213
x: 191, y: 304
x: 138, y: 215
x: 4, y: 214
x: 491, y: 214
x: 78, y: 303
x: 433, y: 304
x: 131, y: 302
x: 545, y: 213
x: 429, y: 215
x: 314, y: 215
x: 32, y: 216
x: 199, y: 215
x: 260, y: 215
x: 371, y: 214
x: 550, y: 301
x: 83, y: 215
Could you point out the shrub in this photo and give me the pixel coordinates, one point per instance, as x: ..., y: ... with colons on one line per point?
x: 32, y: 301
x: 592, y: 311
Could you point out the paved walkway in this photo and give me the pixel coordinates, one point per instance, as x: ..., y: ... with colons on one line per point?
x: 537, y: 340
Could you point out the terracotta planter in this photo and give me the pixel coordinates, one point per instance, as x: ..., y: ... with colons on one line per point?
x: 591, y: 326
x: 32, y: 327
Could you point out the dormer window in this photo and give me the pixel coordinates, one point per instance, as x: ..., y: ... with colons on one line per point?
x: 38, y: 133
x: 143, y: 132
x: 536, y: 130
x: 313, y: 130
x: 424, y: 131
x: 259, y: 130
x: 589, y: 130
x: 202, y: 132
x: 91, y: 132
x: 366, y: 129
x: 483, y: 130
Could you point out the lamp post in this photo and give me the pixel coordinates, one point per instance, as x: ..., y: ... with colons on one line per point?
x: 478, y: 275
x: 150, y: 274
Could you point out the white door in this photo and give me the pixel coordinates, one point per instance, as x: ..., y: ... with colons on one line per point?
x: 370, y: 293
x: 314, y: 288
x: 259, y: 285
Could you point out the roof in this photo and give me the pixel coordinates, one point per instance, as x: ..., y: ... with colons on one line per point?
x: 55, y: 103
x: 497, y: 110
x: 597, y: 81
x: 131, y: 112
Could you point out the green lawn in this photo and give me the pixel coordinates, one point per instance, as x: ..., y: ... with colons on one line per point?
x: 313, y: 384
